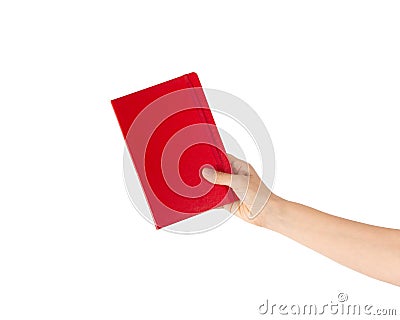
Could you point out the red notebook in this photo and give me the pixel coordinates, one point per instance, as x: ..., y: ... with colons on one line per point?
x: 171, y: 135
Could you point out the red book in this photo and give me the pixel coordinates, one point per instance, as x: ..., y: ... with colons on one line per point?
x: 171, y: 135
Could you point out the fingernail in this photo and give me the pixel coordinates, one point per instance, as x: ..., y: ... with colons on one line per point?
x: 208, y: 173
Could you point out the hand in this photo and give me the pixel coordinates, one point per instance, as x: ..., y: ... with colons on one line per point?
x: 253, y: 193
x: 372, y: 250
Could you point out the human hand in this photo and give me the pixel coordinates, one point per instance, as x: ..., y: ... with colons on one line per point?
x: 255, y: 198
x: 368, y: 249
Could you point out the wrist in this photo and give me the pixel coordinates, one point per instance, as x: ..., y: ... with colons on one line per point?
x: 274, y: 212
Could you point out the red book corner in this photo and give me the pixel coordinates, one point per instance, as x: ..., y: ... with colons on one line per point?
x: 171, y: 135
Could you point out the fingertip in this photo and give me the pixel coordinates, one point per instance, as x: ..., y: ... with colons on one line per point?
x: 208, y: 174
x: 231, y: 157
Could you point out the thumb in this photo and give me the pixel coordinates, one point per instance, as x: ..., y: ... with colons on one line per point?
x: 217, y: 177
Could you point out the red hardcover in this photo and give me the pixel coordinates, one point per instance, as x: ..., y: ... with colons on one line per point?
x: 171, y: 135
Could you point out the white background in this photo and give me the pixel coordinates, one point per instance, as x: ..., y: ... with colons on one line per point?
x: 324, y: 77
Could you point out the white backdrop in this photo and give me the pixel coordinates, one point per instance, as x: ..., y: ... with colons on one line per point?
x: 324, y: 77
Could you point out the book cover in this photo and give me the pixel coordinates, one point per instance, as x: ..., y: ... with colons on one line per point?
x: 171, y: 135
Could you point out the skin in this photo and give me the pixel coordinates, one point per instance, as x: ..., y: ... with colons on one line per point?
x: 371, y: 250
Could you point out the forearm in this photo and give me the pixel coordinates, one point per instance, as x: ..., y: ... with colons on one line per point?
x: 368, y: 249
